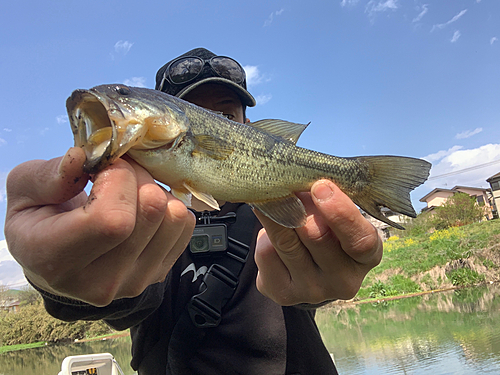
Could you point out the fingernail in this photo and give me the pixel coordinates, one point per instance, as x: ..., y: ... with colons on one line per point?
x: 322, y: 191
x: 60, y: 168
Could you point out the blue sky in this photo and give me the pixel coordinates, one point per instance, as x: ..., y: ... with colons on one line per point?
x: 415, y: 78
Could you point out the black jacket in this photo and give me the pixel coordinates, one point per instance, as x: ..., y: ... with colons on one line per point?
x: 255, y: 335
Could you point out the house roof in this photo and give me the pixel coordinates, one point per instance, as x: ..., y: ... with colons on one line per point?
x: 9, y: 303
x: 494, y: 177
x: 452, y: 190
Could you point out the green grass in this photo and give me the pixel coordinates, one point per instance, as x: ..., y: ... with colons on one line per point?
x: 11, y: 348
x: 465, y: 277
x: 411, y: 256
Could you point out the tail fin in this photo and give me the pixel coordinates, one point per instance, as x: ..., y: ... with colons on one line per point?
x: 391, y: 178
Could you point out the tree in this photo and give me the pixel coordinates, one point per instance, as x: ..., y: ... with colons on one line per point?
x: 459, y: 209
x: 28, y: 295
x: 4, y: 291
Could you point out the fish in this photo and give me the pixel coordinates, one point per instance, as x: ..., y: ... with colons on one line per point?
x: 197, y: 152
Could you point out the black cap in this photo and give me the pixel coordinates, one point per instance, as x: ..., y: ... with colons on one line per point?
x: 206, y: 76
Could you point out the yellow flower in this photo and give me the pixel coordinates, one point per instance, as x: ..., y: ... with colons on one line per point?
x: 452, y: 232
x: 409, y: 242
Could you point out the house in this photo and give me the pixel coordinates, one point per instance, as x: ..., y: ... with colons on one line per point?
x: 494, y: 182
x: 383, y: 229
x: 10, y: 305
x: 438, y: 197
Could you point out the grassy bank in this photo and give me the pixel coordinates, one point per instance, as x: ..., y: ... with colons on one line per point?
x: 32, y: 324
x: 13, y: 348
x: 453, y: 257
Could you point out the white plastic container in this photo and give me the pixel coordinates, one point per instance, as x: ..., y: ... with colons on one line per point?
x: 99, y: 364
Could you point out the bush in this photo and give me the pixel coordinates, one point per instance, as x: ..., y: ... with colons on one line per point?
x: 33, y: 324
x: 396, y: 285
x: 460, y: 209
x: 415, y: 227
x: 465, y: 277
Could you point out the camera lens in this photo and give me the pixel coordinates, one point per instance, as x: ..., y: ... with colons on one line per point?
x: 200, y: 243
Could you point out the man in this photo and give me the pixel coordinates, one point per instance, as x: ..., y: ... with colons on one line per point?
x: 121, y: 254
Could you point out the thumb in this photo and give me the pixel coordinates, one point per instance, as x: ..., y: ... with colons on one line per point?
x: 42, y: 182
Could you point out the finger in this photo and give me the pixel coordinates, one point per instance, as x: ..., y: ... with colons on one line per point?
x: 287, y: 244
x: 40, y: 182
x: 169, y: 241
x: 273, y: 278
x: 320, y: 240
x: 296, y: 258
x: 357, y: 237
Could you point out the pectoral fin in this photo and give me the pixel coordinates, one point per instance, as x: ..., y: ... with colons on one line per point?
x: 288, y: 211
x: 213, y: 147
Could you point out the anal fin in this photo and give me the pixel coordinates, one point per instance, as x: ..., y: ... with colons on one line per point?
x: 204, y: 197
x: 287, y: 211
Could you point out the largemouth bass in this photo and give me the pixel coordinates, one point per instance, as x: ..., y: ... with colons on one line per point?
x: 200, y: 153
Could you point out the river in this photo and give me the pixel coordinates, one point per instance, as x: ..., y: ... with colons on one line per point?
x: 455, y: 332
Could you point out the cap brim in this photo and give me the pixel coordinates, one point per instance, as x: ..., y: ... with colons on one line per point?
x: 246, y: 98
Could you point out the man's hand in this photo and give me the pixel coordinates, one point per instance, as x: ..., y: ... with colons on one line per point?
x: 327, y: 259
x: 124, y: 236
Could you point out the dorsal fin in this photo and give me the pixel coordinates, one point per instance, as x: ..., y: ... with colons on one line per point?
x: 289, y: 131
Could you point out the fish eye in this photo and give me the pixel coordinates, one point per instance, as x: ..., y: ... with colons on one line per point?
x: 123, y: 90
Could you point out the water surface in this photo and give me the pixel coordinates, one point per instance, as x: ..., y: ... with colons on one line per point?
x: 456, y: 332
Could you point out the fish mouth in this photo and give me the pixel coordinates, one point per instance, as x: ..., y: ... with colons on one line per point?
x: 101, y: 128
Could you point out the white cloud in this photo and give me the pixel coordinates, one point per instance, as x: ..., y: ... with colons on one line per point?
x: 425, y: 9
x: 373, y: 7
x: 11, y: 273
x: 348, y: 2
x: 441, y: 154
x: 270, y: 19
x: 457, y: 166
x: 254, y: 76
x: 454, y: 19
x: 62, y: 119
x: 263, y: 99
x: 3, y: 179
x: 493, y: 40
x: 2, y: 142
x: 455, y: 36
x: 123, y: 46
x: 135, y: 81
x: 466, y: 167
x: 7, y: 130
x: 468, y: 133
x: 4, y: 252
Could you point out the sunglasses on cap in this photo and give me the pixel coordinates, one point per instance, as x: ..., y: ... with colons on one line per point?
x: 186, y: 69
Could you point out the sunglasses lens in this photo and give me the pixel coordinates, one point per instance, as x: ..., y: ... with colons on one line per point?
x: 228, y: 68
x: 185, y: 70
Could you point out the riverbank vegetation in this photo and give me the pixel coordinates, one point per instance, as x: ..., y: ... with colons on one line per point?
x: 32, y: 324
x: 424, y: 258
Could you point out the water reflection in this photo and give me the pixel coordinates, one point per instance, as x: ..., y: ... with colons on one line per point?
x: 453, y: 332
x: 47, y: 360
x: 445, y: 333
